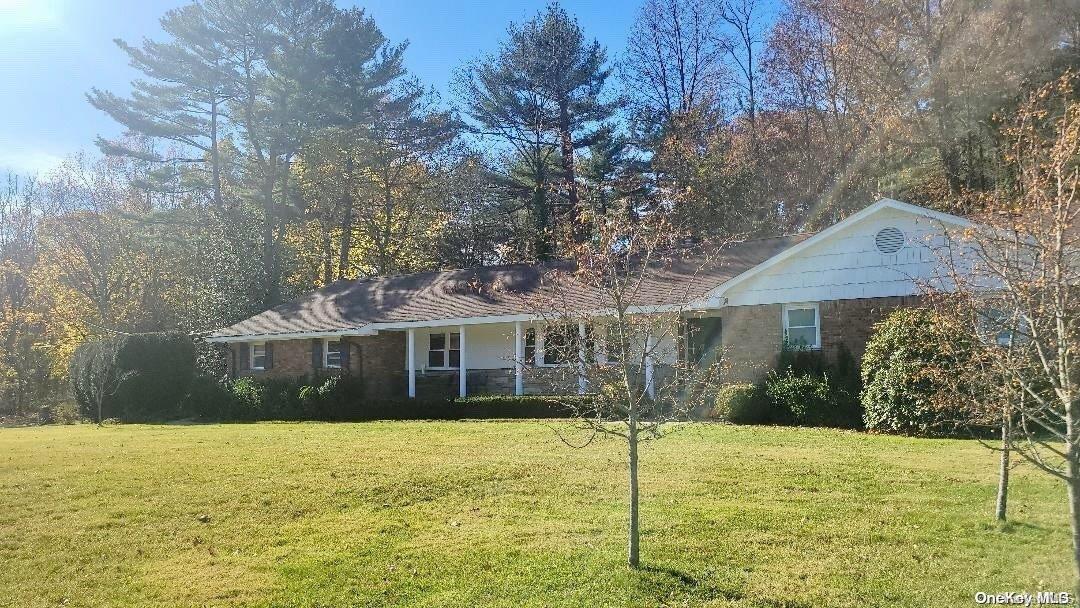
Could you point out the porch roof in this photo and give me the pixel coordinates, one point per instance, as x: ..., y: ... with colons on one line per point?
x: 345, y: 306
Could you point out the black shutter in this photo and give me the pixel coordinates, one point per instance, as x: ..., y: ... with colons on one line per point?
x: 316, y: 353
x: 245, y: 356
x: 346, y: 350
x: 269, y: 355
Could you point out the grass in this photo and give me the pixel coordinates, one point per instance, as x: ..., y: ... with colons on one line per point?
x: 502, y: 514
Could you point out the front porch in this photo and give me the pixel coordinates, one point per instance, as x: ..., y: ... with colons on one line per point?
x: 510, y: 358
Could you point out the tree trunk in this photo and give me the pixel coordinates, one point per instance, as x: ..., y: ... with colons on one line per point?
x: 566, y: 144
x: 271, y: 291
x: 633, y: 532
x: 346, y: 219
x: 215, y: 156
x: 1072, y: 453
x: 1003, y: 474
x: 1074, y: 513
x: 328, y: 256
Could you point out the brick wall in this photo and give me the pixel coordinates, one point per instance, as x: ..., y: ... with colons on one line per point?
x: 753, y: 335
x: 292, y: 359
x: 378, y: 360
x: 751, y: 338
x: 851, y: 322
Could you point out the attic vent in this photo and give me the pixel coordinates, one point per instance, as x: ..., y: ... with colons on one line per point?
x: 889, y: 240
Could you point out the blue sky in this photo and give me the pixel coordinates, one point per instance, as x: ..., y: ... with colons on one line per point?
x: 53, y: 51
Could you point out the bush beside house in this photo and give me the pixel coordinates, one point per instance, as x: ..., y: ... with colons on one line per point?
x: 142, y: 377
x: 805, y: 389
x: 152, y: 378
x: 899, y: 380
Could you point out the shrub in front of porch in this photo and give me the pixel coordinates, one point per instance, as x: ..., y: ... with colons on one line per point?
x: 806, y: 389
x: 517, y: 406
x: 341, y: 398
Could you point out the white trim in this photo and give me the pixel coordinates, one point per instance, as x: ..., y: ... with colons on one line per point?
x: 581, y: 380
x: 650, y: 383
x: 712, y: 299
x: 326, y: 353
x: 462, y: 369
x: 410, y: 358
x: 802, y: 306
x: 251, y: 356
x: 519, y: 358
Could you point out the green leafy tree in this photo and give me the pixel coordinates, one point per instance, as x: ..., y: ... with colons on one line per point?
x: 182, y: 98
x: 543, y: 93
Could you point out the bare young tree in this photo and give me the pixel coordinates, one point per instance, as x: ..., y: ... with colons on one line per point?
x: 96, y: 376
x: 614, y: 332
x: 1014, y: 278
x: 674, y: 64
x: 747, y: 33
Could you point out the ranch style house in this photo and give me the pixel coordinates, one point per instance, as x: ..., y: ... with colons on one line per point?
x: 436, y: 334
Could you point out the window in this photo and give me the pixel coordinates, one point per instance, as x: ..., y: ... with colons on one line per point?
x: 556, y: 346
x: 801, y: 327
x: 454, y: 353
x: 258, y: 355
x: 436, y: 356
x: 444, y: 350
x: 995, y: 326
x: 332, y: 354
x: 612, y: 351
x: 704, y: 339
x: 530, y: 346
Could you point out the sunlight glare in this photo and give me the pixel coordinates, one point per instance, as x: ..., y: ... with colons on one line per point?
x: 22, y: 13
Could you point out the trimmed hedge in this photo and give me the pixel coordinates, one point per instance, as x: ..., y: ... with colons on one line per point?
x: 341, y: 398
x: 512, y: 406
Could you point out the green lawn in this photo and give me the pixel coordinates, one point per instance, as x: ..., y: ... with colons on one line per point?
x: 503, y: 514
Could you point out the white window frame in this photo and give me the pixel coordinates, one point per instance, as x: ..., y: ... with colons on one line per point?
x: 326, y: 353
x: 817, y: 321
x: 446, y: 351
x: 251, y: 356
x: 541, y: 350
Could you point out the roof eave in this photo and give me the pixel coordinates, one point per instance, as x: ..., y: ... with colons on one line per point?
x: 366, y: 330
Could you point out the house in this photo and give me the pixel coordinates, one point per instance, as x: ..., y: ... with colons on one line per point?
x: 465, y: 331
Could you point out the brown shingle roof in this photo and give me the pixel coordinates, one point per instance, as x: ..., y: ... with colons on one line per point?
x: 490, y: 291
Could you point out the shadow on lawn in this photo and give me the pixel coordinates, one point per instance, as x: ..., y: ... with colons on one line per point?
x: 661, y: 584
x: 665, y: 583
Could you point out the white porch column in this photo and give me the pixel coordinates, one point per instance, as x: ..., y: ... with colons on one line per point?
x: 410, y: 354
x: 650, y: 385
x: 519, y: 359
x: 462, y: 369
x: 581, y: 358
